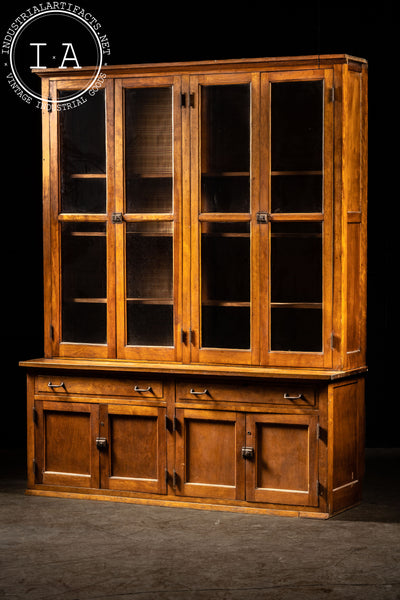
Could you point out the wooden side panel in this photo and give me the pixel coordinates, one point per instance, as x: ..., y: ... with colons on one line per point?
x: 135, y: 457
x: 346, y: 432
x: 208, y: 454
x: 66, y: 452
x: 354, y: 215
x: 285, y: 465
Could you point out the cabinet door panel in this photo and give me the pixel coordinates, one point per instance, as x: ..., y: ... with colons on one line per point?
x: 296, y: 247
x: 135, y: 458
x: 66, y: 452
x: 284, y: 467
x: 149, y: 238
x: 208, y: 454
x: 224, y: 203
x: 82, y: 240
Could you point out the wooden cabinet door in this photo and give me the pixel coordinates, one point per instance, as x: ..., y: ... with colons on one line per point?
x: 65, y: 444
x: 148, y: 182
x: 134, y: 456
x: 208, y: 454
x: 284, y: 465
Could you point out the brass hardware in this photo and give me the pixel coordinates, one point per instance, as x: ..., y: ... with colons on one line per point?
x: 262, y: 217
x: 138, y: 389
x: 56, y: 385
x: 191, y: 100
x: 117, y: 218
x: 247, y: 452
x: 101, y: 443
x: 287, y: 397
x: 205, y: 392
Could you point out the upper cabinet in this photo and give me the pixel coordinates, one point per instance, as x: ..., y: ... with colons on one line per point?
x: 209, y: 213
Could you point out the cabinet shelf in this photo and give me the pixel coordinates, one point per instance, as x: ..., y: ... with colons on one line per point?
x: 226, y: 174
x: 307, y: 305
x: 155, y: 301
x: 225, y: 303
x: 295, y: 173
x: 87, y: 300
x: 88, y: 176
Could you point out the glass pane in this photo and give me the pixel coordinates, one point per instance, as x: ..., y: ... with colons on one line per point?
x: 149, y: 284
x: 296, y: 126
x: 225, y: 148
x: 84, y: 282
x: 296, y: 193
x: 148, y: 150
x: 225, y: 268
x: 296, y: 286
x: 83, y: 156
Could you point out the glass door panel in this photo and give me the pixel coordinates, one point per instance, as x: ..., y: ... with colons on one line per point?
x: 83, y: 156
x: 84, y: 283
x: 296, y: 286
x: 296, y: 146
x: 225, y: 303
x: 149, y: 284
x: 222, y: 212
x: 148, y: 150
x: 225, y: 148
x: 80, y: 213
x: 148, y: 192
x: 297, y: 138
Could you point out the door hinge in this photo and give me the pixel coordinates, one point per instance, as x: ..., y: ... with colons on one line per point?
x: 35, y: 415
x: 320, y: 489
x: 166, y: 476
x: 191, y: 100
x: 332, y: 341
x: 117, y: 218
x: 49, y: 105
x: 183, y: 336
x: 174, y: 479
x: 191, y: 336
x: 34, y: 466
x: 332, y: 94
x: 52, y: 333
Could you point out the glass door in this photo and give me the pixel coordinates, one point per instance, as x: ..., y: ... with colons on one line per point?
x: 296, y: 239
x: 224, y: 205
x: 81, y: 189
x: 147, y: 218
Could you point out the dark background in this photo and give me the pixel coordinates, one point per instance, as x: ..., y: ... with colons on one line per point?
x: 149, y: 32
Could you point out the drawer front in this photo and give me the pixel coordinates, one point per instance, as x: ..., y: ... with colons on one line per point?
x: 99, y: 386
x: 285, y: 394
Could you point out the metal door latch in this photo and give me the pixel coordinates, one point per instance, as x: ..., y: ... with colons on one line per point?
x: 101, y: 443
x: 247, y: 452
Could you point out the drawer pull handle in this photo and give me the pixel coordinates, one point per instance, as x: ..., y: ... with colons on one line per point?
x: 287, y: 397
x: 56, y: 385
x: 138, y: 389
x: 205, y: 392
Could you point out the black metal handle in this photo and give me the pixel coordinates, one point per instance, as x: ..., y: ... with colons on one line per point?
x: 287, y: 397
x: 55, y: 385
x: 138, y: 389
x: 192, y: 391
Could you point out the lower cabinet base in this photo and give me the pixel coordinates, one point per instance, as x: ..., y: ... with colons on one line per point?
x: 206, y: 504
x: 290, y: 447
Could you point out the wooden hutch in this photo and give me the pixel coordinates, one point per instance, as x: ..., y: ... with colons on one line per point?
x: 204, y: 286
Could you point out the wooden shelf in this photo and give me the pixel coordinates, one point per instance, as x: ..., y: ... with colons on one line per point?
x: 225, y: 303
x: 316, y: 305
x: 295, y: 173
x: 87, y: 300
x: 226, y: 174
x: 155, y: 301
x: 88, y: 176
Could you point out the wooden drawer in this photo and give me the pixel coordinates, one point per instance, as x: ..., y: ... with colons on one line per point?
x: 285, y: 394
x: 99, y: 386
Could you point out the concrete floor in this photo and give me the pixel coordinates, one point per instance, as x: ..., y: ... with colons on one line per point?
x: 60, y: 549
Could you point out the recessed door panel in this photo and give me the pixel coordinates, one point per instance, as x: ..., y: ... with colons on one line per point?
x: 283, y: 468
x: 135, y: 456
x: 66, y: 452
x: 208, y: 454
